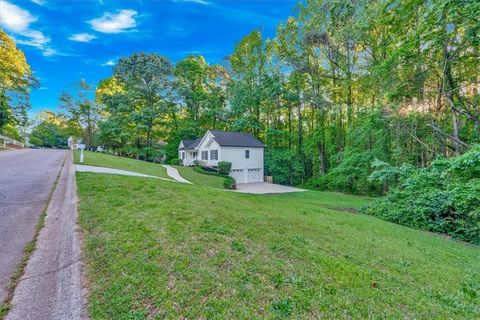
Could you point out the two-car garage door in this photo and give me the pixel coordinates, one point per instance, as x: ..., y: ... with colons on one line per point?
x: 249, y: 175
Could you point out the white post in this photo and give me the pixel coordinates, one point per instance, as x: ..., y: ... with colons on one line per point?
x: 81, y: 155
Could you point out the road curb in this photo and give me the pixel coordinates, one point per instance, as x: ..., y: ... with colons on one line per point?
x: 51, y: 286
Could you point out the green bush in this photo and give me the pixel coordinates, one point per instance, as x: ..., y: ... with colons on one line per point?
x: 350, y: 176
x: 35, y: 141
x: 175, y: 162
x: 229, y: 183
x: 151, y: 154
x: 443, y: 198
x: 284, y: 166
x: 224, y: 168
x: 199, y: 169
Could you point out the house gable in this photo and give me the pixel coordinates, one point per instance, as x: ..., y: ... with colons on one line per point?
x: 206, y: 145
x: 181, y: 146
x: 203, y: 142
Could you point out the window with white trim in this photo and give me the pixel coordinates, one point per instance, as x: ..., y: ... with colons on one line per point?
x: 183, y: 155
x: 204, y: 155
x: 247, y: 154
x: 213, y: 154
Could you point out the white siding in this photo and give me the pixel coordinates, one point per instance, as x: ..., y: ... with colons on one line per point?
x: 241, y: 165
x: 244, y: 170
x: 189, y: 158
x: 207, y: 144
x: 180, y: 151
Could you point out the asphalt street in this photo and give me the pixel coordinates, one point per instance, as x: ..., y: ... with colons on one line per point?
x: 27, y: 178
x: 51, y: 288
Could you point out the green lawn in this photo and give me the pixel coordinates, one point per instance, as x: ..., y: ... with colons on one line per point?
x: 158, y: 250
x: 110, y: 161
x: 199, y: 178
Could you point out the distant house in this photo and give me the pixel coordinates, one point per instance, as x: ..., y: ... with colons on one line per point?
x: 74, y: 142
x: 243, y: 150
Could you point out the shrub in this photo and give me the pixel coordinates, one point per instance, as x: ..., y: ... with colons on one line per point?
x: 203, y: 170
x: 443, y: 197
x: 175, y: 162
x: 151, y: 154
x: 350, y: 176
x: 35, y: 141
x: 229, y: 183
x: 224, y: 168
x: 284, y: 166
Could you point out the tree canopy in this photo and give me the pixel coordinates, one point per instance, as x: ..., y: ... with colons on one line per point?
x: 344, y: 91
x: 16, y: 79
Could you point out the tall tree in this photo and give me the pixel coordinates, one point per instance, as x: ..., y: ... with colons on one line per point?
x: 83, y: 109
x: 16, y: 79
x: 147, y: 80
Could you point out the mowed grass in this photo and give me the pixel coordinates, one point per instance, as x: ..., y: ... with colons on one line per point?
x: 199, y: 178
x: 110, y: 161
x: 157, y: 249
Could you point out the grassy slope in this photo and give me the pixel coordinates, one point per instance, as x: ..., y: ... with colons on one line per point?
x: 200, y: 179
x: 110, y: 161
x: 172, y: 250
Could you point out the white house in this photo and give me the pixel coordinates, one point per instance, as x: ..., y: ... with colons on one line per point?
x: 243, y: 150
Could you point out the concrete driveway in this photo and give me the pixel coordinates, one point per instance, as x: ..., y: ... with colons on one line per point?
x: 27, y: 178
x: 265, y: 188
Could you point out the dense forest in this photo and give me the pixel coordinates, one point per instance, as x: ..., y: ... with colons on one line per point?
x: 352, y: 96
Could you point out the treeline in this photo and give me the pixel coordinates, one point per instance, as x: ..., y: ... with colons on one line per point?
x: 341, y: 84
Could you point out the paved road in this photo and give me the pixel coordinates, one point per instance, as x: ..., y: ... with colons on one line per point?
x: 27, y: 178
x: 51, y: 287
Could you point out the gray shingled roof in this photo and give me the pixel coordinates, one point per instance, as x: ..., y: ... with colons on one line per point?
x: 190, y: 144
x: 236, y: 139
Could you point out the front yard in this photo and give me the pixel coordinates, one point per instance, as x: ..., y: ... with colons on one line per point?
x: 157, y: 249
x: 110, y: 161
x: 200, y: 178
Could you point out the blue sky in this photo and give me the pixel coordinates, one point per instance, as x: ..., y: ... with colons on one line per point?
x: 67, y: 40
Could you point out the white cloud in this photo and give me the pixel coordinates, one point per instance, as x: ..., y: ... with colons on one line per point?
x: 17, y: 21
x: 82, y: 37
x: 115, y: 22
x: 15, y: 18
x: 204, y: 2
x: 199, y: 1
x: 110, y: 62
x: 39, y: 2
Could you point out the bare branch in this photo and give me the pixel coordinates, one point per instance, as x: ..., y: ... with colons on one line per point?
x: 437, y: 129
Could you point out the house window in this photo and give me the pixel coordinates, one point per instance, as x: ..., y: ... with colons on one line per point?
x: 204, y: 155
x: 194, y: 155
x: 183, y: 155
x: 213, y: 154
x: 247, y: 154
